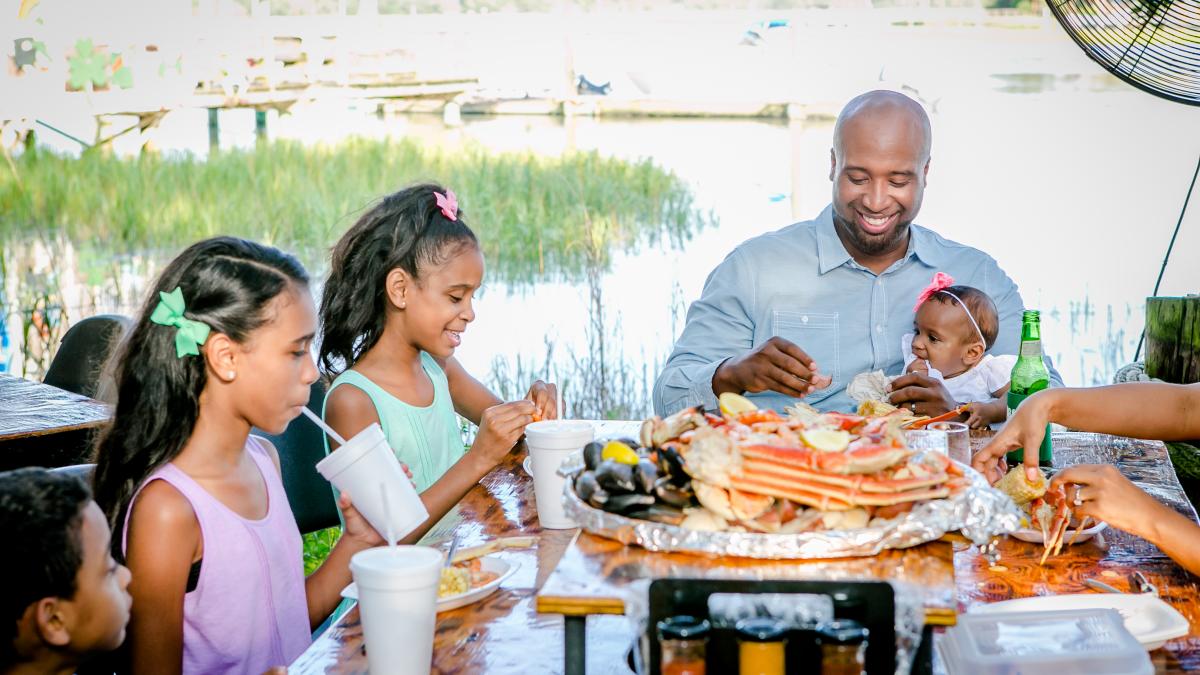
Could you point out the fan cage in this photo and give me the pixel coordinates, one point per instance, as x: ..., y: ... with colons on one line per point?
x: 1153, y: 45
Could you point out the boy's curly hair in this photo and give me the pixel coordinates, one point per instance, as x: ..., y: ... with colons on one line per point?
x: 41, y: 515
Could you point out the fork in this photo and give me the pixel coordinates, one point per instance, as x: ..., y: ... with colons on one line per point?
x: 1141, y: 584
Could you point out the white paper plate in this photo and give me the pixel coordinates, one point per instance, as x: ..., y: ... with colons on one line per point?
x: 527, y: 464
x: 1151, y: 620
x: 489, y: 563
x: 1035, y: 536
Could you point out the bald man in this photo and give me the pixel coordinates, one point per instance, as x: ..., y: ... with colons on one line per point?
x: 798, y: 312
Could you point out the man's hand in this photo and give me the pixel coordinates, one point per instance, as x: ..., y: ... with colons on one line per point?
x: 775, y: 365
x: 921, y: 394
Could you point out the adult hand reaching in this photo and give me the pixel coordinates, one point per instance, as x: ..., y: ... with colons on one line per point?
x: 775, y: 365
x: 1025, y: 429
x: 921, y: 394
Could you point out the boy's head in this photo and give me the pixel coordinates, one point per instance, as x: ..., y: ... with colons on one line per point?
x: 65, y: 597
x: 944, y: 334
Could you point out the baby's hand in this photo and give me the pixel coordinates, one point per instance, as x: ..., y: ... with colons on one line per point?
x: 976, y: 420
x: 917, y: 366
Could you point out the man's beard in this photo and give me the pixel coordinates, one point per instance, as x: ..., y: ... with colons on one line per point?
x: 869, y: 244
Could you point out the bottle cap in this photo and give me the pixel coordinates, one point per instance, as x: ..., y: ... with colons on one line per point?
x: 682, y: 628
x: 762, y: 629
x: 842, y: 632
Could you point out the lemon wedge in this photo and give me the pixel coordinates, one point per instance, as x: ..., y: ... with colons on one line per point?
x: 619, y: 453
x: 826, y: 440
x: 735, y: 404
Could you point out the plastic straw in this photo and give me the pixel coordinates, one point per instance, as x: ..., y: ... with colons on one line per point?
x: 321, y: 423
x: 387, y: 516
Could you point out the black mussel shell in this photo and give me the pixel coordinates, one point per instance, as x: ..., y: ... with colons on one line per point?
x: 658, y: 513
x: 672, y: 494
x: 630, y: 442
x: 586, y: 485
x: 615, y: 477
x: 591, y: 455
x: 645, y: 474
x: 599, y: 498
x: 623, y: 503
x: 670, y: 463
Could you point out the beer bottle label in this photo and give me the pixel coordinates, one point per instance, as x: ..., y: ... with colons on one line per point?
x: 1031, y: 348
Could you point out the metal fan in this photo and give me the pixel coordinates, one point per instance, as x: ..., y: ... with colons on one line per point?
x: 1153, y: 45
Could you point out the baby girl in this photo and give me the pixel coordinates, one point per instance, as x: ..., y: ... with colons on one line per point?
x: 953, y: 328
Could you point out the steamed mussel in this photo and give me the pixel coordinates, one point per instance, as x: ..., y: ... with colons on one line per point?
x: 592, y: 455
x: 615, y: 477
x: 654, y: 487
x: 589, y: 490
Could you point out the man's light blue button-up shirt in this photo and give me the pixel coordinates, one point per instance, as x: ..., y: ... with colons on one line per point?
x: 801, y: 284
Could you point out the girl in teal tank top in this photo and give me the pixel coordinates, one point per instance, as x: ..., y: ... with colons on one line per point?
x: 398, y: 298
x: 426, y: 438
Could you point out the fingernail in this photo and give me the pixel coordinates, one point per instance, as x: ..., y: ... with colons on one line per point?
x: 1031, y: 473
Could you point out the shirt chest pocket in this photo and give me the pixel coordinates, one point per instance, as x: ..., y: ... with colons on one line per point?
x: 817, y: 333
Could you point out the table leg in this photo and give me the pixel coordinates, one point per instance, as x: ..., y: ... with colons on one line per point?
x: 923, y: 659
x: 573, y: 646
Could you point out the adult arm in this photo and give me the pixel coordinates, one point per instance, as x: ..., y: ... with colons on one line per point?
x: 1137, y: 409
x: 164, y: 540
x: 716, y: 353
x: 1107, y: 495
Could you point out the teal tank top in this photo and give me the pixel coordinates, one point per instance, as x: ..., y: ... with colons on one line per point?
x: 429, y: 440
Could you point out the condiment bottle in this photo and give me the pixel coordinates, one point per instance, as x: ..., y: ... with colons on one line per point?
x: 761, y: 645
x: 684, y: 641
x: 843, y: 647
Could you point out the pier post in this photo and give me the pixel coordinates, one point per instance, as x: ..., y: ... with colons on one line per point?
x: 1173, y: 339
x: 214, y: 129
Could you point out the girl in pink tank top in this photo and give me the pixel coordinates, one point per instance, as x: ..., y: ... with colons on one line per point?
x: 221, y: 346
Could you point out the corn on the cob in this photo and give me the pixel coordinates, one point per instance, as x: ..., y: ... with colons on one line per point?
x: 1019, y: 489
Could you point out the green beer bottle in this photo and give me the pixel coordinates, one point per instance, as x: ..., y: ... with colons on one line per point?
x: 1029, y: 376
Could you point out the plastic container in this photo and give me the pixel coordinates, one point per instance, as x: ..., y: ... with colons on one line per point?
x: 1061, y: 642
x: 684, y: 641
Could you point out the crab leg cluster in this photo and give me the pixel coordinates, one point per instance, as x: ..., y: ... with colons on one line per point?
x: 830, y: 462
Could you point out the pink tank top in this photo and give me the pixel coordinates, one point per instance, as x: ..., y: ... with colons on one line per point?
x: 248, y: 611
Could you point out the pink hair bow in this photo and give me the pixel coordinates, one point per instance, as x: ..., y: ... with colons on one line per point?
x: 941, y: 281
x: 448, y: 203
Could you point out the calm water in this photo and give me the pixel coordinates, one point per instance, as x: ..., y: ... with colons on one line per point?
x: 1072, y: 184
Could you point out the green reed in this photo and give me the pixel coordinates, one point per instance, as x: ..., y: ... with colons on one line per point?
x: 531, y: 213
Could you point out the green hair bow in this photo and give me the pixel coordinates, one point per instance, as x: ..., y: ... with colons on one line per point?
x: 190, y: 334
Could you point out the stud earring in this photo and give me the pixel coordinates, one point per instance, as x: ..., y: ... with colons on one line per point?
x: 231, y: 374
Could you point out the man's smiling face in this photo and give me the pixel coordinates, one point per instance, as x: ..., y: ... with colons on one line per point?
x: 878, y: 166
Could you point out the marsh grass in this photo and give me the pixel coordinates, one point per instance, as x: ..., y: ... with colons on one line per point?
x: 532, y: 214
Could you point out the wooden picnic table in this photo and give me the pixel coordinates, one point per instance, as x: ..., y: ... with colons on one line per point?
x: 43, y: 425
x: 585, y: 576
